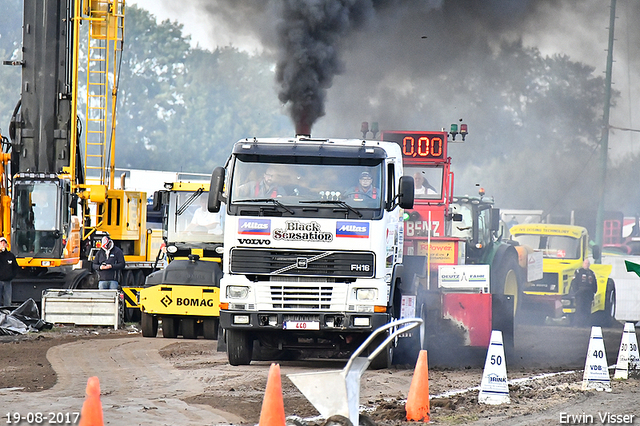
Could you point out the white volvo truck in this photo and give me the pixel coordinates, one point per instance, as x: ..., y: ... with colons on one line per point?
x: 312, y: 259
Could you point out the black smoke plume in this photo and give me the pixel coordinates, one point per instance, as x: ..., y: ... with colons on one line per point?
x: 309, y: 38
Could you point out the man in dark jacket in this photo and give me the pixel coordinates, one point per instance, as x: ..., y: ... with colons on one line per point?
x: 584, y: 286
x: 108, y: 261
x: 8, y: 271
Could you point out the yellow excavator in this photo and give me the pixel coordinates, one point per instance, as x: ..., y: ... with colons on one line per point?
x: 62, y: 152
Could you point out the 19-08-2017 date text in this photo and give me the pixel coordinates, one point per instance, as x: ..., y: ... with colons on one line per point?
x: 37, y: 418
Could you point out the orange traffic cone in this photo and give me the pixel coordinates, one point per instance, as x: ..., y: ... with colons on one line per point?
x: 417, y: 405
x: 91, y: 414
x: 272, y: 413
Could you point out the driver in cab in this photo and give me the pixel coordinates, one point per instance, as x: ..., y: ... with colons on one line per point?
x: 267, y: 187
x: 365, y: 189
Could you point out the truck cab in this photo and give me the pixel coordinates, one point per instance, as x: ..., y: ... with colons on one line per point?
x: 564, y: 249
x: 312, y: 244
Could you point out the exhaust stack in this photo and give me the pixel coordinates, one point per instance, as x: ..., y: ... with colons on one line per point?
x: 303, y: 130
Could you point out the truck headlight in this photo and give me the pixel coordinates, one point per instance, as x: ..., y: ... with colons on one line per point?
x: 237, y: 292
x: 361, y: 322
x: 366, y: 293
x: 241, y: 319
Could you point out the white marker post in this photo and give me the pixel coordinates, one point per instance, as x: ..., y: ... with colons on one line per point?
x: 596, y: 371
x: 628, y: 357
x: 494, y: 389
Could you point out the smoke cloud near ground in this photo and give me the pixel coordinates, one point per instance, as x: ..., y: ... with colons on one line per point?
x: 419, y: 64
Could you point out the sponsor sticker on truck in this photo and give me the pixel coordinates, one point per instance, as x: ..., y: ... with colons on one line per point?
x: 352, y: 229
x: 254, y: 227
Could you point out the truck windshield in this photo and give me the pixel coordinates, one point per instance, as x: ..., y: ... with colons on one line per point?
x: 192, y: 222
x: 427, y: 180
x: 300, y: 185
x: 551, y: 246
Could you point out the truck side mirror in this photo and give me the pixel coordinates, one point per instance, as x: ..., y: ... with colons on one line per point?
x: 597, y: 253
x: 406, y: 192
x: 215, y: 190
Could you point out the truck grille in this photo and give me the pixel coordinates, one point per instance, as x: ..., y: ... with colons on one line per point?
x: 288, y: 297
x: 548, y: 283
x: 345, y: 264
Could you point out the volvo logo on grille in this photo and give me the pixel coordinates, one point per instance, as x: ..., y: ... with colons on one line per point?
x: 301, y: 263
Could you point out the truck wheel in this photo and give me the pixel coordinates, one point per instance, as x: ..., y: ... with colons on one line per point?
x: 609, y: 313
x: 222, y: 339
x: 128, y: 279
x: 169, y: 327
x: 132, y: 314
x: 409, y: 348
x: 210, y: 328
x: 385, y: 357
x: 149, y: 325
x: 189, y: 328
x: 139, y: 278
x: 507, y: 282
x: 239, y: 347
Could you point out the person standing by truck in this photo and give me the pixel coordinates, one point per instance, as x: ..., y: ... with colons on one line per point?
x: 108, y: 261
x: 584, y: 286
x: 8, y: 271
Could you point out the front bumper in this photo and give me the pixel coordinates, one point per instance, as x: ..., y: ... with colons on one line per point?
x: 303, y: 322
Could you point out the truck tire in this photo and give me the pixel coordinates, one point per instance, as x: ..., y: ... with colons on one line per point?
x: 409, y: 348
x: 149, y: 325
x: 210, y: 328
x: 169, y: 327
x: 239, y: 347
x: 189, y: 328
x: 128, y: 279
x: 139, y: 278
x: 608, y: 316
x: 385, y: 357
x: 131, y: 314
x: 222, y: 339
x: 506, y: 280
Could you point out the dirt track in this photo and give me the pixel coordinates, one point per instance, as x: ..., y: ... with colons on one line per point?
x: 187, y: 382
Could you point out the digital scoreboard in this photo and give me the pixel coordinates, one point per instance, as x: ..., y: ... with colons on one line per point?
x: 419, y: 145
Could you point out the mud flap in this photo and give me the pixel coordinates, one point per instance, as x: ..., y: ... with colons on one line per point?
x: 502, y: 317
